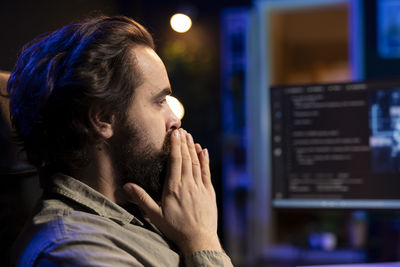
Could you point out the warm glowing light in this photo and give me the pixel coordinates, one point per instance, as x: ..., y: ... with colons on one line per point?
x: 176, y: 106
x: 180, y: 23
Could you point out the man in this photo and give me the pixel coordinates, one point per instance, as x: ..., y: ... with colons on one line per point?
x: 89, y: 104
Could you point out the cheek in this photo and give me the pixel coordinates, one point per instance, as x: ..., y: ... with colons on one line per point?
x: 151, y: 123
x: 155, y: 131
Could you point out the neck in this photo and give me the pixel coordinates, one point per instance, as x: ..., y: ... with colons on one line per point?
x: 100, y: 175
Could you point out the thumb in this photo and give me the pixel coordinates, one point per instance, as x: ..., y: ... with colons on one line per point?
x: 140, y: 197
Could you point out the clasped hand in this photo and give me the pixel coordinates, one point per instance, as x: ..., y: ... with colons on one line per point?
x: 187, y: 213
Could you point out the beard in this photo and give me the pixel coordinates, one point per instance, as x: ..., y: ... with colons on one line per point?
x: 136, y: 160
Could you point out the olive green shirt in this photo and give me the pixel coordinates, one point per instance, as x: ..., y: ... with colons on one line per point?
x: 78, y: 226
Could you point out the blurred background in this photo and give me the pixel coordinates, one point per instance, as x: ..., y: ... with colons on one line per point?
x: 221, y: 70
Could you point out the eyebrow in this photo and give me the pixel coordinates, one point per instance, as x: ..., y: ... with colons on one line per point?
x: 162, y: 93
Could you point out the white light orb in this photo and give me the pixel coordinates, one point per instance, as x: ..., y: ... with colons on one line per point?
x: 176, y: 107
x: 180, y: 23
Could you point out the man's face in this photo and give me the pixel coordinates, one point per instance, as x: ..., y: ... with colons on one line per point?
x: 149, y: 109
x: 140, y: 146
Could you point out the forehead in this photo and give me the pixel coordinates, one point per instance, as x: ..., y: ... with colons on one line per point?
x: 153, y: 73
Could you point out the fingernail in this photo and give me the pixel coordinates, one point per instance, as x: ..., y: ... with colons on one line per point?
x: 176, y: 133
x: 206, y: 152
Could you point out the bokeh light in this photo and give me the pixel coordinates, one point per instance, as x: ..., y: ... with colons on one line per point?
x: 180, y: 23
x: 176, y: 107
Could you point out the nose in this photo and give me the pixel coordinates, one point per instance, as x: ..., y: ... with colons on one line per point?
x: 172, y: 121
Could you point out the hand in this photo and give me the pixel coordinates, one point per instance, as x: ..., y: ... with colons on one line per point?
x: 187, y: 213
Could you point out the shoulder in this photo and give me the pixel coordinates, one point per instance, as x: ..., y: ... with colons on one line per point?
x: 78, y: 236
x: 81, y: 238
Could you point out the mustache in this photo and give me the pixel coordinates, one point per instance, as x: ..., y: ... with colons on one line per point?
x: 166, y: 148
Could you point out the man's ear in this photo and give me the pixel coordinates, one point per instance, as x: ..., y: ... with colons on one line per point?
x: 103, y: 125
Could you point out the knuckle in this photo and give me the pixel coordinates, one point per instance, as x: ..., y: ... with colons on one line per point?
x: 191, y: 188
x: 205, y: 174
x: 186, y: 157
x: 173, y: 191
x: 172, y: 187
x: 142, y: 197
x: 196, y: 162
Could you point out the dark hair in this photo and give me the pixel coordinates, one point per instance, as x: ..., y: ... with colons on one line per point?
x: 60, y: 77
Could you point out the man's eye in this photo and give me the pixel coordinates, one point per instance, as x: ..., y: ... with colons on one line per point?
x: 162, y: 101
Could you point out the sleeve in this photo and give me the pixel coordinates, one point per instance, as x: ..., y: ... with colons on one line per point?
x: 207, y: 258
x: 70, y: 253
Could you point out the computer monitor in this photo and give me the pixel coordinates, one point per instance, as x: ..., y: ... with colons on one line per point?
x: 336, y: 145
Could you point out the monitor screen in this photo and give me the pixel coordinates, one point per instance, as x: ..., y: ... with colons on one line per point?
x: 388, y: 28
x: 336, y: 145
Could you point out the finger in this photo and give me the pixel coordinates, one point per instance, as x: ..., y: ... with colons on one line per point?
x: 139, y: 196
x: 175, y: 161
x: 186, y: 159
x: 205, y: 167
x: 198, y: 148
x: 196, y: 170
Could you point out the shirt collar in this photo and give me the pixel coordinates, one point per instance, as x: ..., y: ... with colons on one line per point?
x: 83, y: 194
